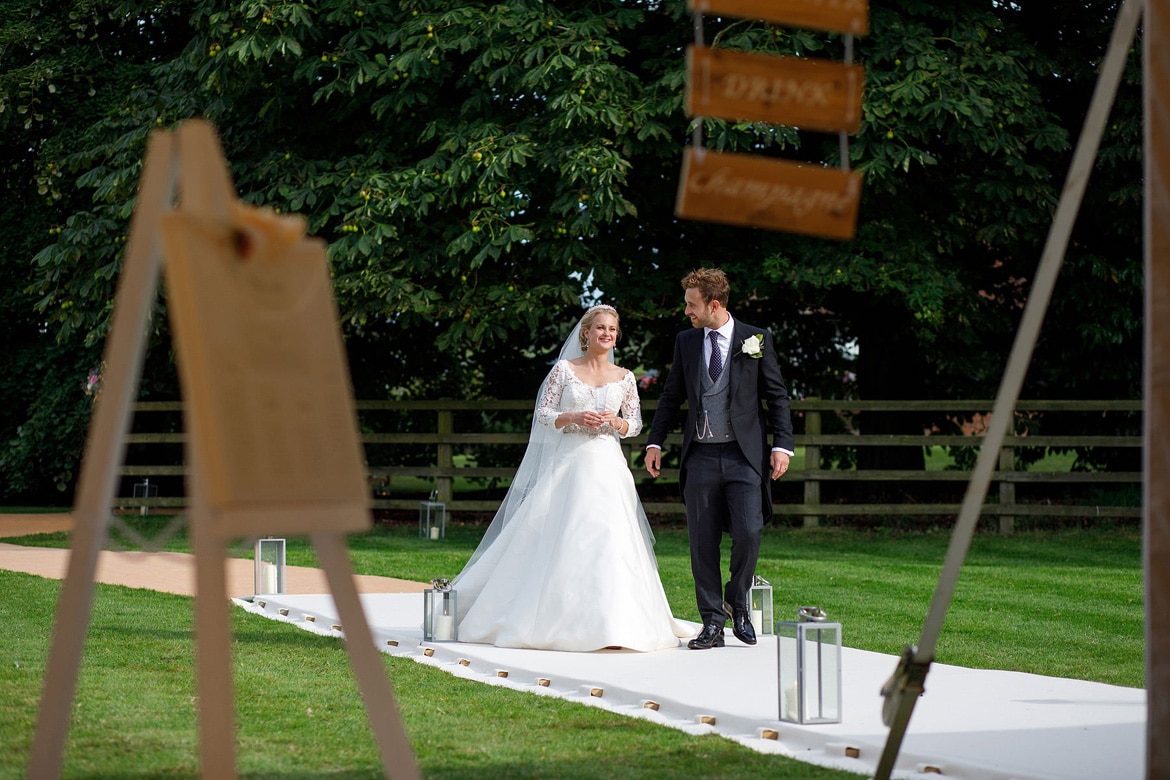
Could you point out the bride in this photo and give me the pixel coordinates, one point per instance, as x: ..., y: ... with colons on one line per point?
x: 567, y: 563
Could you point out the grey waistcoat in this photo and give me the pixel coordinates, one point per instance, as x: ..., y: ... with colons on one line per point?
x: 713, y: 421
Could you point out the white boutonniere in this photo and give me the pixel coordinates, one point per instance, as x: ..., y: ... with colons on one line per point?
x: 753, y: 347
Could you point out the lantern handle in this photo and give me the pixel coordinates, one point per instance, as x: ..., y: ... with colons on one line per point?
x: 811, y: 615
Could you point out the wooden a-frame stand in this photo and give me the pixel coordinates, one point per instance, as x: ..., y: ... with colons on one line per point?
x: 272, y: 435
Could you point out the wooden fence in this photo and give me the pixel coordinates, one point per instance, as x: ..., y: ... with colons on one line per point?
x: 430, y: 429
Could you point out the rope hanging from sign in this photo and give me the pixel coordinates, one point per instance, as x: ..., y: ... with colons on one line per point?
x: 842, y: 136
x: 697, y: 130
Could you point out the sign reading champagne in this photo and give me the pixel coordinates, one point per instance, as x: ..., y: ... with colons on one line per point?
x: 808, y: 94
x: 847, y: 16
x: 748, y: 191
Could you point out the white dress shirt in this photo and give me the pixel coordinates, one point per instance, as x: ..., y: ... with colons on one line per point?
x: 725, y: 331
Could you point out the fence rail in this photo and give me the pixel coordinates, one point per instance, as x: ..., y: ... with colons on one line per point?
x: 440, y: 437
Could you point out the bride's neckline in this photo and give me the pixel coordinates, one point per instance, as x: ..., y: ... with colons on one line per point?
x: 573, y: 373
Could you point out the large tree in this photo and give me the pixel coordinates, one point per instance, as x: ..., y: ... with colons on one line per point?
x: 479, y: 167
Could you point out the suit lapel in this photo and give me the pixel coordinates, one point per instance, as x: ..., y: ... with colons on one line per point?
x: 694, y: 377
x: 735, y: 361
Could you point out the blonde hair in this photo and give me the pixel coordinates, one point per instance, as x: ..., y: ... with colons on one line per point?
x: 587, y: 322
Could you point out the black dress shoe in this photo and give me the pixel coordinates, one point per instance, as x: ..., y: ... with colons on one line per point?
x: 710, y: 636
x: 741, y: 626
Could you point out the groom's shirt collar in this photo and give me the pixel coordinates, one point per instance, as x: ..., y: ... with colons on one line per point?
x: 725, y: 331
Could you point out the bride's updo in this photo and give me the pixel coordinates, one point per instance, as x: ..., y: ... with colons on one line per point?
x: 587, y: 322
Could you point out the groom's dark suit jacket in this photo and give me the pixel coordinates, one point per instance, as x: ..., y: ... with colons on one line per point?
x: 752, y: 380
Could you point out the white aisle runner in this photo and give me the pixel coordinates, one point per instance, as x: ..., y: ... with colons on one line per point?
x: 969, y: 724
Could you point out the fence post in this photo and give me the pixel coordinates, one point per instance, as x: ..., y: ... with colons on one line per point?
x: 1007, y: 490
x: 443, y: 457
x: 812, y: 462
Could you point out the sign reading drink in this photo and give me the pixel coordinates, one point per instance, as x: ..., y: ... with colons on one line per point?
x: 740, y: 189
x: 847, y: 16
x: 809, y: 94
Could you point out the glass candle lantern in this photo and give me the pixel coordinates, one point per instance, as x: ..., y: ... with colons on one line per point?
x: 809, y: 668
x: 144, y: 489
x: 439, y: 623
x: 432, y: 518
x: 761, y: 606
x: 269, y: 556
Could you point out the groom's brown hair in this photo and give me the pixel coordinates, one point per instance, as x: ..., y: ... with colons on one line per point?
x: 711, y: 283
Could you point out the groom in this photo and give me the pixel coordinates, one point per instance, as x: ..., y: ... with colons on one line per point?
x: 723, y: 369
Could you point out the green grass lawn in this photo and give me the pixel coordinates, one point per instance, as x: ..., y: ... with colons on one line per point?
x: 1054, y: 603
x: 1065, y: 604
x: 299, y: 714
x: 1020, y: 598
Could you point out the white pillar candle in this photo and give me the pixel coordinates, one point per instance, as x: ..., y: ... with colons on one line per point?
x: 444, y: 627
x: 267, y: 577
x: 791, y: 702
x: 758, y: 620
x: 434, y: 532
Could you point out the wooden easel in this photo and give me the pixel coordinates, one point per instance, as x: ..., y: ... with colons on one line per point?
x: 272, y: 433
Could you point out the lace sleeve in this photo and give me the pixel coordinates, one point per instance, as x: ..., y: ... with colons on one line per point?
x: 631, y: 405
x: 548, y: 406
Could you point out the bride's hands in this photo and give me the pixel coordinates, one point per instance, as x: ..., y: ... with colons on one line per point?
x: 597, y: 419
x: 611, y: 419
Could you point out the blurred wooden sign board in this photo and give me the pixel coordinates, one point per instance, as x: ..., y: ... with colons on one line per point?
x: 808, y: 94
x: 749, y: 191
x: 270, y: 414
x: 845, y: 16
x: 272, y: 446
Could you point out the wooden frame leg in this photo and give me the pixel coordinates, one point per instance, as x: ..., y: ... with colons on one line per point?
x: 73, y: 611
x: 213, y: 656
x: 105, y: 447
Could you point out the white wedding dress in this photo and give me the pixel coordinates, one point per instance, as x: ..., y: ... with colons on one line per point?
x: 573, y: 567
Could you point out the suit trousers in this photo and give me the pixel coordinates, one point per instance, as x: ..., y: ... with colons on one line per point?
x: 722, y: 492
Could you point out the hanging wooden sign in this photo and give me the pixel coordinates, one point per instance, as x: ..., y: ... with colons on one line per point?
x: 846, y: 16
x: 740, y: 189
x: 809, y: 94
